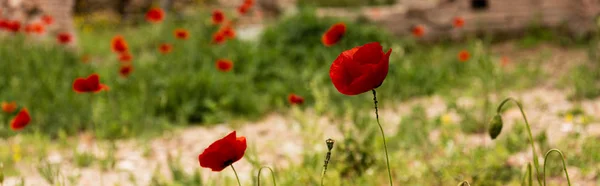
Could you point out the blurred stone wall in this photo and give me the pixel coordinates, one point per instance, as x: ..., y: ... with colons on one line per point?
x: 29, y: 11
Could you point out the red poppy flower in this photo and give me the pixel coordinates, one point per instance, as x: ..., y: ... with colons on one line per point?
x: 13, y: 26
x: 360, y: 69
x: 47, y: 19
x: 228, y: 32
x: 504, y: 61
x: 218, y: 16
x: 243, y: 9
x: 334, y: 34
x: 125, y: 70
x: 89, y: 84
x: 248, y: 3
x: 224, y: 65
x: 223, y: 152
x: 9, y: 107
x: 21, y: 120
x: 155, y: 15
x: 218, y: 38
x: 36, y: 28
x: 165, y: 48
x: 463, y: 56
x: 64, y: 38
x: 182, y: 34
x: 418, y: 31
x: 458, y: 22
x: 295, y: 99
x: 118, y: 44
x: 125, y: 57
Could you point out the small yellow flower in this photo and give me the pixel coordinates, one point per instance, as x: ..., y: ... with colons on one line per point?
x: 581, y: 120
x: 568, y: 117
x: 446, y: 119
x: 16, y: 150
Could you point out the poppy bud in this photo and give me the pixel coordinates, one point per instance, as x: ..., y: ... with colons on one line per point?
x: 329, y: 143
x: 495, y: 126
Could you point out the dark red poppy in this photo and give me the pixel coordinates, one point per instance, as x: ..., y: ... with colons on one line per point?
x: 218, y: 38
x: 125, y: 70
x: 47, y: 19
x: 125, y: 57
x: 243, y: 9
x: 9, y: 107
x: 13, y: 26
x: 334, y: 34
x: 182, y: 34
x: 295, y: 99
x: 218, y: 16
x: 458, y: 22
x: 463, y: 56
x: 64, y: 38
x: 21, y: 120
x: 223, y: 152
x: 165, y: 48
x: 155, y: 15
x: 228, y: 32
x: 360, y: 69
x: 418, y: 31
x: 118, y: 44
x: 89, y: 84
x: 224, y: 65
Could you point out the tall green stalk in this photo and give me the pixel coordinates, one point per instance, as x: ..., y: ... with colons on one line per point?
x: 272, y: 175
x: 387, y: 159
x: 563, y: 163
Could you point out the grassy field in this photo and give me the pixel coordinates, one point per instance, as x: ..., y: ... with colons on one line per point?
x: 434, y: 107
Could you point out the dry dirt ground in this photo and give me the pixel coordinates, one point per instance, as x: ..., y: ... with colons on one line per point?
x: 282, y: 139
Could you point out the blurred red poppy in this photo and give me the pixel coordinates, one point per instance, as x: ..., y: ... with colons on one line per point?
x: 228, y: 32
x: 418, y: 31
x: 458, y: 22
x: 125, y: 70
x: 463, y: 56
x: 64, y: 38
x: 118, y: 44
x: 334, y: 34
x: 360, y: 69
x: 243, y: 9
x: 89, y: 84
x: 218, y: 16
x: 224, y: 65
x: 21, y: 120
x: 504, y: 61
x: 182, y: 34
x: 13, y: 26
x: 47, y: 19
x: 223, y: 152
x: 295, y: 99
x: 248, y: 2
x: 155, y: 15
x: 125, y: 57
x: 9, y: 107
x: 218, y: 38
x: 165, y: 48
x: 35, y: 28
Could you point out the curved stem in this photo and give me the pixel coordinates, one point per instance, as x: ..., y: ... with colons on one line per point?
x: 236, y: 175
x: 464, y: 183
x: 387, y: 159
x: 563, y: 162
x: 272, y: 175
x: 535, y: 159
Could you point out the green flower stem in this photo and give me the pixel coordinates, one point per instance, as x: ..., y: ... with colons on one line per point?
x: 563, y: 162
x: 272, y: 175
x: 387, y: 159
x: 535, y: 159
x: 236, y: 175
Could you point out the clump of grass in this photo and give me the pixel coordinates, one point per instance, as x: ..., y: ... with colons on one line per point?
x: 83, y: 159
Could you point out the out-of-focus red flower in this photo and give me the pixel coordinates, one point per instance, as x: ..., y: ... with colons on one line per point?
x: 228, y: 32
x: 418, y: 31
x: 182, y: 34
x: 89, y: 84
x: 360, y: 69
x: 13, y: 26
x: 125, y: 70
x: 224, y: 65
x: 47, y: 19
x: 458, y: 22
x: 463, y: 55
x: 155, y: 15
x: 35, y: 28
x: 295, y: 99
x: 21, y: 120
x: 504, y: 61
x: 243, y: 9
x: 223, y: 152
x: 9, y: 107
x: 218, y: 38
x: 218, y: 16
x: 125, y: 57
x: 2, y: 24
x: 118, y: 44
x: 165, y: 48
x: 334, y: 34
x: 64, y: 38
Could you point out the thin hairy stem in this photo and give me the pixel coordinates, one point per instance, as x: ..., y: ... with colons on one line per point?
x: 272, y: 175
x: 535, y: 159
x: 236, y: 175
x: 563, y: 162
x: 325, y: 166
x: 387, y: 159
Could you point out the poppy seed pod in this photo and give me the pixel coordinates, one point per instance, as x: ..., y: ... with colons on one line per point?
x: 495, y: 126
x: 329, y: 143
